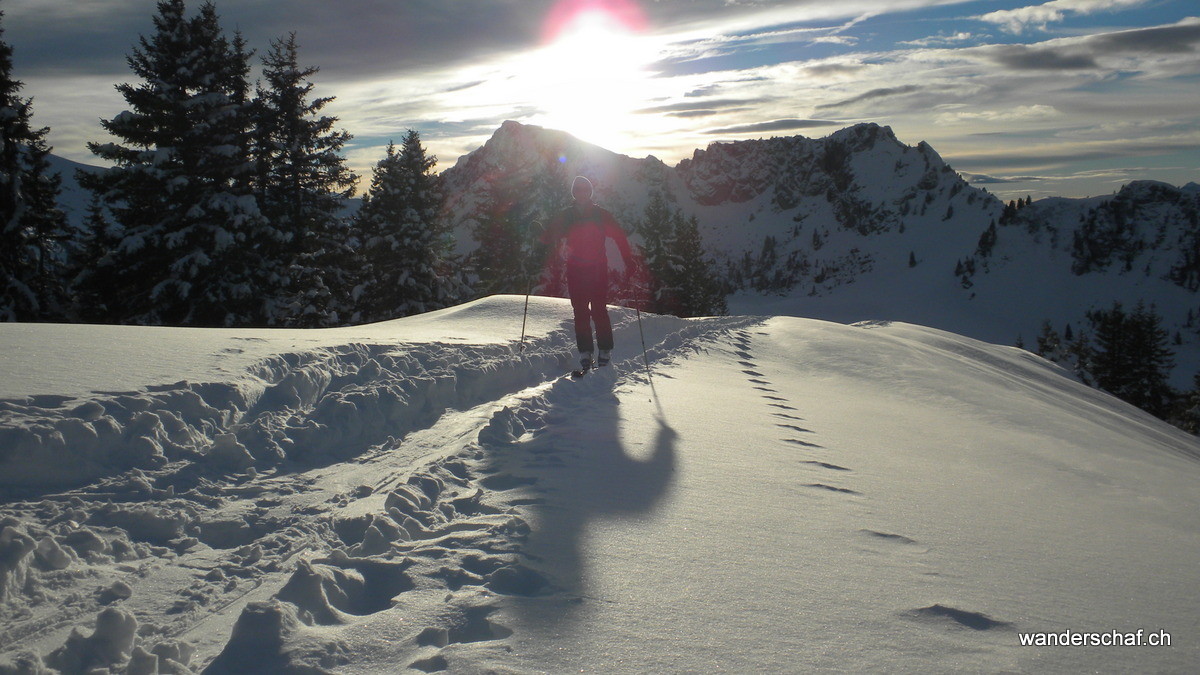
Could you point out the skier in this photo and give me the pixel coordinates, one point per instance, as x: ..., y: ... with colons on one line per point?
x: 585, y: 227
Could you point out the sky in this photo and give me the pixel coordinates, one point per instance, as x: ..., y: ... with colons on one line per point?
x: 1066, y: 97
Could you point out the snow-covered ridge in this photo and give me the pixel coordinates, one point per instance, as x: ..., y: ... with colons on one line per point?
x: 879, y: 496
x: 862, y: 170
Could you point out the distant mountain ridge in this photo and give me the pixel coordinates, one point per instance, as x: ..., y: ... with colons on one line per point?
x: 860, y: 226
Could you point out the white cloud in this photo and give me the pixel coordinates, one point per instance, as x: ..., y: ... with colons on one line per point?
x: 939, y: 40
x: 1131, y: 128
x: 1039, y: 16
x: 1031, y: 156
x: 844, y: 40
x: 57, y: 103
x: 1021, y: 113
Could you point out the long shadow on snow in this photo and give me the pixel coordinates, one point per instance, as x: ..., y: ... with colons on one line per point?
x: 587, y: 475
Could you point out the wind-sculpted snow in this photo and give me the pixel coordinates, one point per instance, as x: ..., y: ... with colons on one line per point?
x: 217, y: 486
x: 871, y: 497
x: 321, y: 405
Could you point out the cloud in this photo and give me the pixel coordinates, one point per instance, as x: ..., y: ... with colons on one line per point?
x: 690, y: 108
x: 71, y: 107
x: 1107, y: 175
x: 366, y: 39
x: 734, y: 51
x: 845, y: 40
x: 705, y: 112
x: 1040, y: 16
x: 939, y: 40
x: 1131, y: 128
x: 73, y: 39
x: 729, y: 41
x: 1020, y: 113
x: 1180, y: 38
x: 1025, y: 57
x: 832, y: 69
x: 454, y: 69
x: 1033, y: 156
x: 706, y: 104
x: 773, y: 125
x: 872, y: 95
x: 1091, y: 52
x: 985, y: 179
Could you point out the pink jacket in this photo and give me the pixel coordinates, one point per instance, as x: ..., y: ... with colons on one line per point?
x: 585, y: 227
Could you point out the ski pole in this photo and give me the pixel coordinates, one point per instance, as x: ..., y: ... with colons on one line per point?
x: 528, y: 292
x: 645, y: 359
x: 525, y: 316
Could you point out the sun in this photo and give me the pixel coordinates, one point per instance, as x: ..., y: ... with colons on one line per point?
x: 591, y: 74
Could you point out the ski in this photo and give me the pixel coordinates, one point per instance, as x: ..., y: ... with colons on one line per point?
x: 578, y: 373
x: 592, y: 364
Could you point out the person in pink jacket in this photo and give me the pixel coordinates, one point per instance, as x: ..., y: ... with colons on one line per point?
x: 585, y: 227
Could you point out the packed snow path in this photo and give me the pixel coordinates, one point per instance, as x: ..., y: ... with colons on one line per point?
x: 785, y: 495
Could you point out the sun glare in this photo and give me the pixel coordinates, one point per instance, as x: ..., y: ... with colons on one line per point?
x: 591, y: 73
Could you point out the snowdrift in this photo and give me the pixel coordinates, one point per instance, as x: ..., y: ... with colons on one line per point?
x: 757, y: 494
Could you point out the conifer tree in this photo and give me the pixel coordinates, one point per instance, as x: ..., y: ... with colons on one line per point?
x: 97, y: 241
x: 403, y: 251
x: 500, y: 262
x: 681, y: 280
x: 1079, y: 352
x: 179, y: 189
x: 987, y: 241
x: 511, y: 252
x: 1131, y: 358
x: 1186, y: 412
x: 763, y: 278
x: 32, y: 227
x: 1049, y: 344
x: 303, y: 182
x: 699, y: 291
x: 549, y: 193
x: 657, y: 229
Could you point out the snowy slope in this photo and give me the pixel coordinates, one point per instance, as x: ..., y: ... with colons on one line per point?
x: 785, y: 494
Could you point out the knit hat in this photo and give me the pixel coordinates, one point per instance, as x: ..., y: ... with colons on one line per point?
x: 581, y: 189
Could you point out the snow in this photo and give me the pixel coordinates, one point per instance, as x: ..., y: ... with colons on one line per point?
x: 777, y: 494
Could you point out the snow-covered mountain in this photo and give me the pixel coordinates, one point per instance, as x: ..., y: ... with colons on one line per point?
x: 72, y: 198
x: 859, y: 226
x: 759, y: 495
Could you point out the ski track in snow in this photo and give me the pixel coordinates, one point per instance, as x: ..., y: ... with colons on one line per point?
x: 239, y: 500
x: 375, y: 508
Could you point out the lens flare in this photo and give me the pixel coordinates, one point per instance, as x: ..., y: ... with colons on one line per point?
x: 592, y: 69
x: 623, y: 13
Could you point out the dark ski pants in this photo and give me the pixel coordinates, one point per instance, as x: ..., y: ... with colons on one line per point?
x: 588, y: 287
